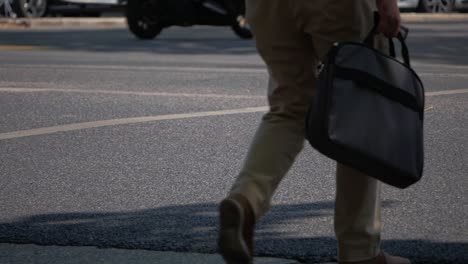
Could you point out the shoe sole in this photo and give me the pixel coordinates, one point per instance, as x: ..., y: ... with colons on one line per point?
x: 231, y: 241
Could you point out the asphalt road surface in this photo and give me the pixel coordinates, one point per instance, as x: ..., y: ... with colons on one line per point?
x: 109, y: 141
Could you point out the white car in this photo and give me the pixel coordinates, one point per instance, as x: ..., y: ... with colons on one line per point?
x: 41, y: 8
x: 434, y: 6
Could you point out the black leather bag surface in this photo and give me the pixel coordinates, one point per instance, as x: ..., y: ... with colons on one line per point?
x: 368, y: 112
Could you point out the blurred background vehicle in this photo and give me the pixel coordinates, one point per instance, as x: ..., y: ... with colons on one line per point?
x: 147, y: 18
x: 94, y: 8
x: 5, y: 8
x: 433, y: 6
x: 42, y: 8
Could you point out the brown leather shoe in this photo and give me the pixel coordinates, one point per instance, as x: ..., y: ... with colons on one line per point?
x: 382, y: 258
x: 237, y: 224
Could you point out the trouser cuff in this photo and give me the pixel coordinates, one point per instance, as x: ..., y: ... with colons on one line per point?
x: 249, y: 193
x: 350, y: 252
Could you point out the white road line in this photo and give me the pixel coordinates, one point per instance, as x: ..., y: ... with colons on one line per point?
x: 447, y: 92
x: 86, y: 91
x: 133, y: 120
x: 228, y: 96
x: 256, y: 70
x: 422, y: 64
x: 145, y: 68
x: 124, y: 121
x: 443, y: 75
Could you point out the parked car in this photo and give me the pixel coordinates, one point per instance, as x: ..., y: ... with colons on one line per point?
x: 434, y: 6
x: 42, y: 8
x: 147, y: 18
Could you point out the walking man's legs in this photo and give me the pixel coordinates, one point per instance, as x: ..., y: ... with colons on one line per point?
x: 290, y: 37
x: 280, y: 136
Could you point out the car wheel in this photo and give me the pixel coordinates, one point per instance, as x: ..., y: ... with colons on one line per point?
x: 436, y: 6
x: 242, y: 28
x: 30, y: 8
x: 143, y: 18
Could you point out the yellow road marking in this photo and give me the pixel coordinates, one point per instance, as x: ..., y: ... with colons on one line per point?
x: 20, y: 47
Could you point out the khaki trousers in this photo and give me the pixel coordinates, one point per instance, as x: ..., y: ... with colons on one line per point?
x: 291, y: 36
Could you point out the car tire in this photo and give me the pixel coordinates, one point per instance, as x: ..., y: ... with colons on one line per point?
x: 143, y: 19
x: 30, y: 8
x: 93, y: 14
x: 435, y: 6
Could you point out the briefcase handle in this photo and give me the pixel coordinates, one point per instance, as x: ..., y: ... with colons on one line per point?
x: 402, y: 34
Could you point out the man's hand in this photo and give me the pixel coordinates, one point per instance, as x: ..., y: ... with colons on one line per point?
x: 389, y: 23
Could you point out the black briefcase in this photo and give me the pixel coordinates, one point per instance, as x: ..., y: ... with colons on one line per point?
x: 368, y: 112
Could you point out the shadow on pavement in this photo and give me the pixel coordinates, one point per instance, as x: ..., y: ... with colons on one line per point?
x: 442, y: 43
x: 204, y: 40
x: 193, y: 228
